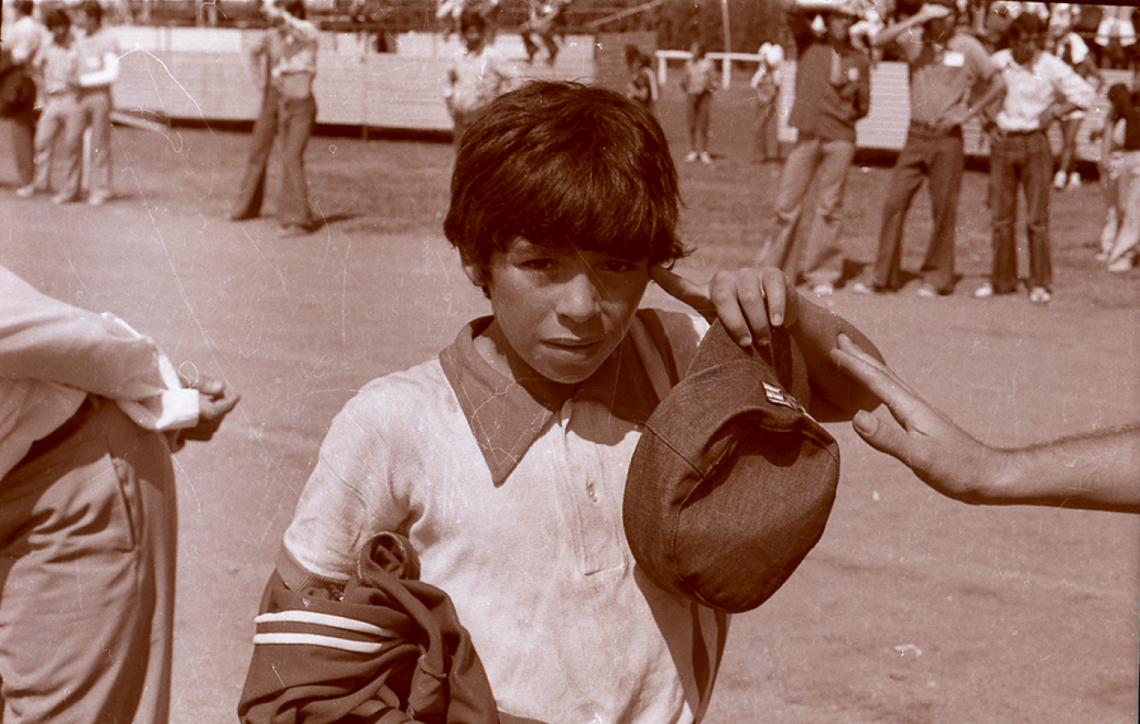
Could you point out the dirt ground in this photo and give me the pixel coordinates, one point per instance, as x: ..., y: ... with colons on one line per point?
x: 913, y: 608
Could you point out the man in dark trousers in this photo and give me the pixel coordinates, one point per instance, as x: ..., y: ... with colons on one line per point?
x: 947, y: 69
x: 252, y: 190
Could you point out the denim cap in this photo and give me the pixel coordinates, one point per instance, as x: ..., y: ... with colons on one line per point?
x: 732, y: 482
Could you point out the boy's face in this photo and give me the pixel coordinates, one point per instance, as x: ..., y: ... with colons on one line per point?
x: 1024, y: 48
x: 473, y: 35
x: 60, y: 34
x: 839, y: 26
x: 560, y: 312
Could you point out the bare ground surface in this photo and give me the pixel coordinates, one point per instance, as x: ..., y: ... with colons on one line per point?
x: 913, y: 608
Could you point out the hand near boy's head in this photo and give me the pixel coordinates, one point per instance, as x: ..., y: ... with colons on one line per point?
x: 746, y: 301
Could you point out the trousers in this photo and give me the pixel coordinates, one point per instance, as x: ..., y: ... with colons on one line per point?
x: 87, y: 561
x: 251, y: 193
x: 94, y: 111
x: 939, y: 158
x: 1020, y: 160
x: 818, y: 258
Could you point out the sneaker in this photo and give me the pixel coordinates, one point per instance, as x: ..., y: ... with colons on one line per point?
x: 984, y: 292
x: 705, y: 157
x: 1059, y: 181
x: 927, y: 292
x: 1074, y: 180
x: 691, y: 156
x: 291, y: 230
x: 62, y: 198
x: 26, y: 192
x: 861, y: 287
x: 1102, y: 255
x: 98, y: 199
x: 1121, y: 265
x: 822, y: 290
x: 1040, y: 295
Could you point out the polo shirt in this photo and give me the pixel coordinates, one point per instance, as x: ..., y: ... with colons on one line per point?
x: 941, y: 79
x: 513, y: 502
x: 23, y: 38
x: 98, y: 59
x: 833, y: 89
x: 1033, y: 88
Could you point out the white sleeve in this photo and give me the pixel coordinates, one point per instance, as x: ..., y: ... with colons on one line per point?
x: 349, y: 496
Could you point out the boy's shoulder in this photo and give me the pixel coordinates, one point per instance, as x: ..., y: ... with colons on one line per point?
x: 387, y: 403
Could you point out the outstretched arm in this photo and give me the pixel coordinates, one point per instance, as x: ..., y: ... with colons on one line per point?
x: 1096, y: 471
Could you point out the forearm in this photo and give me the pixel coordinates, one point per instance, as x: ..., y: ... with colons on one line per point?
x: 1097, y: 471
x: 816, y: 331
x: 994, y: 93
x: 104, y: 77
x: 892, y: 32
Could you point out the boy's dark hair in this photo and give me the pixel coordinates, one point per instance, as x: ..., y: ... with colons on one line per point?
x: 565, y: 165
x: 94, y: 10
x: 296, y: 8
x: 472, y: 18
x: 632, y: 54
x: 1026, y: 25
x: 56, y: 18
x: 25, y: 7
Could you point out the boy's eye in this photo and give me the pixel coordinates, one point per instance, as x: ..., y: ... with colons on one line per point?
x: 617, y: 266
x: 539, y: 264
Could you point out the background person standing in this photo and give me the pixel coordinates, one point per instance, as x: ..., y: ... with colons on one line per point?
x: 98, y: 53
x: 251, y: 192
x: 833, y: 91
x: 698, y: 82
x: 947, y: 68
x: 20, y: 43
x: 1040, y: 88
x: 766, y: 83
x: 293, y: 67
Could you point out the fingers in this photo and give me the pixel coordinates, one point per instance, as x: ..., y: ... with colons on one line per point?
x: 780, y: 304
x: 884, y: 436
x: 209, y: 386
x: 680, y: 288
x: 746, y: 300
x: 906, y: 406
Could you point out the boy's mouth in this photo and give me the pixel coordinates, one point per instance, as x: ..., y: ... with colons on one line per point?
x: 574, y: 343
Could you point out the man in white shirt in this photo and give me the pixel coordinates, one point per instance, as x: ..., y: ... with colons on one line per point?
x: 21, y: 40
x: 1040, y: 89
x: 90, y: 411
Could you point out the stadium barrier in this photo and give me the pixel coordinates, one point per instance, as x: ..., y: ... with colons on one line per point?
x: 199, y: 74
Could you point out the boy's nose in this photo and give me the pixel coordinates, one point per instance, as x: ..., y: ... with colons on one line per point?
x: 579, y: 300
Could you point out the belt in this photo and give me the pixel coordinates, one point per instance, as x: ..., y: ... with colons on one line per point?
x: 1023, y: 132
x: 45, y: 444
x: 934, y: 128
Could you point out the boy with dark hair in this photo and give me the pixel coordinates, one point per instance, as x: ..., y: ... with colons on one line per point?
x: 504, y: 460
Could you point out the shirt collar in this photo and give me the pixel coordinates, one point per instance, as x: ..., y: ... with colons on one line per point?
x: 507, y: 415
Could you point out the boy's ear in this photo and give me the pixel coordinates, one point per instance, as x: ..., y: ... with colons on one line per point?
x: 474, y: 272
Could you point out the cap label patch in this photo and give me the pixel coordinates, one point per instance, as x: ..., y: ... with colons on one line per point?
x: 778, y: 397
